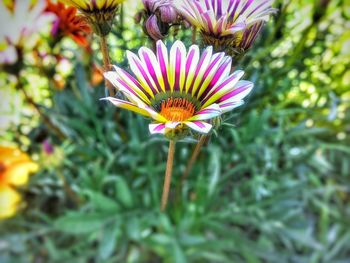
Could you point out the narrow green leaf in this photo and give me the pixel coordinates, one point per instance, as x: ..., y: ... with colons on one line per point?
x: 78, y: 223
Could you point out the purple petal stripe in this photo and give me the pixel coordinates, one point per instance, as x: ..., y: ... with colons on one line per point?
x: 163, y: 65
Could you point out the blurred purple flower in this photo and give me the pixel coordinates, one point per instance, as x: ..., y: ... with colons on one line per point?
x: 47, y: 147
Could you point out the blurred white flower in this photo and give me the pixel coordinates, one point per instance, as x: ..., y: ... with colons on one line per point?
x: 21, y: 24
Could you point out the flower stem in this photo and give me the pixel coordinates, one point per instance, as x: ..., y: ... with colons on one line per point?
x: 154, y: 45
x: 194, y: 157
x: 168, y: 173
x: 106, y: 62
x: 194, y: 35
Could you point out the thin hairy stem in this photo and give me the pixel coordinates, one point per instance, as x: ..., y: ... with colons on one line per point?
x: 168, y: 173
x: 154, y: 45
x: 106, y: 62
x: 194, y: 35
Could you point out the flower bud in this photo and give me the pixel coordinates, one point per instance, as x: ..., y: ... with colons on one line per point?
x: 158, y: 17
x: 152, y: 28
x: 168, y: 14
x: 149, y: 5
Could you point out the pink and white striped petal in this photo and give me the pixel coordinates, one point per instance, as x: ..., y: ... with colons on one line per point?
x: 154, y: 115
x: 191, y: 64
x: 157, y: 128
x: 163, y: 61
x: 162, y: 128
x: 177, y: 64
x: 121, y: 85
x: 201, y: 68
x: 141, y: 105
x: 141, y: 72
x: 123, y: 81
x: 127, y: 105
x: 172, y: 124
x: 210, y: 72
x: 221, y: 25
x: 191, y: 11
x: 227, y: 106
x: 209, y: 112
x: 222, y: 88
x: 149, y: 59
x: 242, y: 89
x: 199, y: 126
x: 222, y: 72
x: 234, y: 29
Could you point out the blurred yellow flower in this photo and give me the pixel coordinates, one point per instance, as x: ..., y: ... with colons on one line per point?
x: 15, y: 167
x: 91, y: 5
x: 99, y: 13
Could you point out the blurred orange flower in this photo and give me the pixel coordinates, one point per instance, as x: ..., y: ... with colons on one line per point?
x: 15, y: 167
x: 68, y: 23
x: 97, y: 75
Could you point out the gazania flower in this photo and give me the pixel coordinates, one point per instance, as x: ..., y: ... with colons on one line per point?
x: 158, y: 16
x: 67, y: 23
x: 21, y: 22
x: 179, y: 90
x: 15, y: 168
x: 249, y: 35
x: 223, y: 23
x: 100, y: 13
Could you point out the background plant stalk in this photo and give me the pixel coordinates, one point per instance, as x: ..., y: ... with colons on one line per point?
x: 44, y: 117
x: 194, y: 157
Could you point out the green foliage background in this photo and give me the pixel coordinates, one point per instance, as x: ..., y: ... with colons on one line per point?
x: 272, y: 186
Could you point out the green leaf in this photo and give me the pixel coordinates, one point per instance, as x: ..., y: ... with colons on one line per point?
x: 214, y: 171
x: 102, y: 202
x: 78, y: 223
x: 110, y: 235
x: 123, y: 192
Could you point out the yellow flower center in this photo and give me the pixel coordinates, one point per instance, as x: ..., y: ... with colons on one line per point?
x: 177, y: 109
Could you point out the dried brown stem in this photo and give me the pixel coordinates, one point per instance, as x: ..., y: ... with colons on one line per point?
x: 69, y: 191
x: 168, y: 173
x: 45, y: 118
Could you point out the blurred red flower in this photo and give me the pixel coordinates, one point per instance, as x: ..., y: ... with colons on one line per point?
x: 68, y: 23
